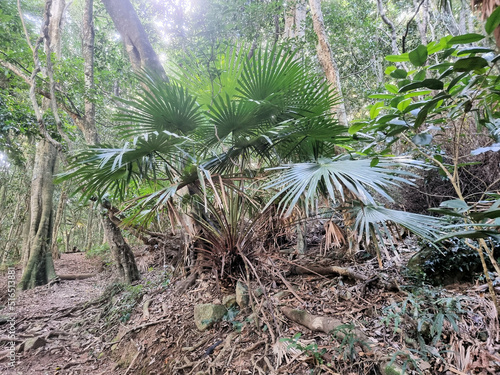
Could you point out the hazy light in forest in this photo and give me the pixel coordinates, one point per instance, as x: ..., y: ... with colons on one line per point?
x: 4, y: 163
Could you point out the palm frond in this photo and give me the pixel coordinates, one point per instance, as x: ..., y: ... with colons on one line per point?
x: 374, y: 219
x: 161, y: 106
x: 336, y: 177
x: 155, y: 157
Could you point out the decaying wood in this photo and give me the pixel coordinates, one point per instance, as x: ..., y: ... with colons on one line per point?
x: 322, y: 324
x: 326, y: 270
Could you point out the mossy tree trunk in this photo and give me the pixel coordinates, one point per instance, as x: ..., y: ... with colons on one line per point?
x: 39, y: 267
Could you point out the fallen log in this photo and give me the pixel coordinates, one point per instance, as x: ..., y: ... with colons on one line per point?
x: 80, y: 276
x: 325, y: 270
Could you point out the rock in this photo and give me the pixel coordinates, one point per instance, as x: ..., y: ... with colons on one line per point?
x: 391, y: 369
x: 205, y: 315
x: 229, y: 301
x: 34, y: 343
x: 242, y: 298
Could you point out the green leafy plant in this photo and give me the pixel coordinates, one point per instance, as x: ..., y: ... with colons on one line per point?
x: 348, y: 340
x: 450, y: 91
x: 310, y: 350
x: 425, y: 314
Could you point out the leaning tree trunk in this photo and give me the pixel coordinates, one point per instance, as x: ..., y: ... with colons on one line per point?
x: 134, y: 37
x: 39, y: 269
x: 122, y: 253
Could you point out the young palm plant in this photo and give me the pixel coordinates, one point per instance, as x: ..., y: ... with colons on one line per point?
x: 261, y: 117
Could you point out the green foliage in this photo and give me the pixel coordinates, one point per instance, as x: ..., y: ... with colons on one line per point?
x: 130, y: 298
x: 463, y: 82
x: 425, y: 313
x: 452, y: 261
x: 100, y: 251
x: 310, y: 350
x: 346, y: 335
x: 230, y: 316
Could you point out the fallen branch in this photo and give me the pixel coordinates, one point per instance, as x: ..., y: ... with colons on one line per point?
x: 326, y: 270
x: 322, y: 324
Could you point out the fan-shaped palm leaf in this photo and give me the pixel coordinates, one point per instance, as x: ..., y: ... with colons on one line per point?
x: 334, y: 177
x: 161, y: 106
x: 373, y: 219
x: 153, y: 157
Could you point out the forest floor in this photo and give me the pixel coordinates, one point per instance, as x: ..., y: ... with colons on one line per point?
x: 296, y: 322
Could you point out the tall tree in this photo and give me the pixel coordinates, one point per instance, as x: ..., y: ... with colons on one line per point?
x: 122, y: 253
x: 135, y: 39
x: 38, y: 262
x: 326, y: 58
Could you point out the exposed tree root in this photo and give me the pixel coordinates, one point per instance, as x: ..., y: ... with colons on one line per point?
x: 322, y: 323
x: 326, y: 270
x: 80, y: 276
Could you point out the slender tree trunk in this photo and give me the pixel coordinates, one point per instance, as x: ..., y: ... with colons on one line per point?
x: 88, y: 235
x: 326, y: 58
x: 57, y: 223
x: 422, y: 20
x: 295, y: 19
x: 39, y: 269
x: 450, y: 22
x: 390, y: 24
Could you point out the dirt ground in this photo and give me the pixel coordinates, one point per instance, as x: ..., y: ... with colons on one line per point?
x: 47, y: 312
x: 96, y: 326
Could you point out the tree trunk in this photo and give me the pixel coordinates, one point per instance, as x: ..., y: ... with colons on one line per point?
x: 57, y: 223
x: 124, y: 258
x: 135, y: 39
x: 88, y: 234
x: 326, y: 58
x: 122, y: 253
x: 37, y: 257
x: 39, y: 269
x: 89, y: 130
x: 422, y: 21
x: 390, y: 24
x: 295, y: 21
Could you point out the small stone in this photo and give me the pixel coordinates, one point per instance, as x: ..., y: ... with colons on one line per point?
x: 205, y: 315
x: 391, y: 369
x: 242, y: 298
x: 229, y: 301
x: 34, y: 343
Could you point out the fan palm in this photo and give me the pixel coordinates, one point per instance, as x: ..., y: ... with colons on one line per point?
x: 268, y: 111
